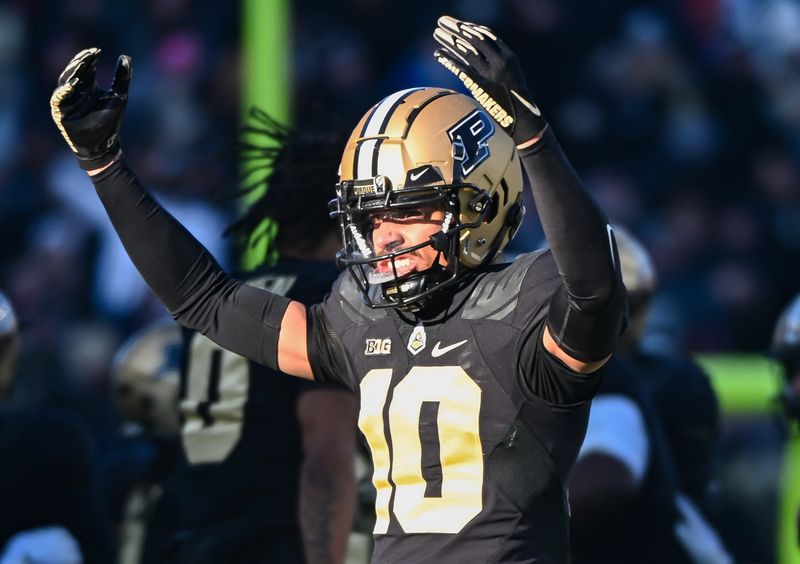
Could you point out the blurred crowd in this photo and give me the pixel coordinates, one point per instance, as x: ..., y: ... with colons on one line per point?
x: 77, y: 294
x: 682, y: 117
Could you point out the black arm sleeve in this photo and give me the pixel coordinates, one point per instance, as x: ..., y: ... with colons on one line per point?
x: 185, y: 277
x: 587, y: 311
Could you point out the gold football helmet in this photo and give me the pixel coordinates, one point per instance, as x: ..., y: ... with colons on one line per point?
x: 785, y: 348
x: 640, y: 278
x: 146, y: 376
x: 638, y: 269
x: 786, y: 335
x: 427, y: 147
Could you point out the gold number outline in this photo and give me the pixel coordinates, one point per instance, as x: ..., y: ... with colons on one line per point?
x: 461, y: 454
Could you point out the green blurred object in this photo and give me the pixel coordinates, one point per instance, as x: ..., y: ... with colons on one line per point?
x: 749, y: 385
x: 266, y: 54
x: 746, y: 384
x: 787, y: 534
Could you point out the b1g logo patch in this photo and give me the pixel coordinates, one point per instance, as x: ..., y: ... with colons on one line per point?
x: 469, y: 138
x: 378, y: 347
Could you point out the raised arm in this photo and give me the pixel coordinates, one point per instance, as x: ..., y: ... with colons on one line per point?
x: 587, y: 311
x: 259, y: 325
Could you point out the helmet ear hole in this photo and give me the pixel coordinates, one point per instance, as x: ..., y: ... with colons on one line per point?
x: 504, y: 190
x: 493, y: 207
x: 514, y: 218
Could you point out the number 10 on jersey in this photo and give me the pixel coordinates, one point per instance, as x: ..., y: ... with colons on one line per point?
x: 461, y: 456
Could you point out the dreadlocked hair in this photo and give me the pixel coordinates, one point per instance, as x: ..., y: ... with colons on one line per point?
x: 292, y: 173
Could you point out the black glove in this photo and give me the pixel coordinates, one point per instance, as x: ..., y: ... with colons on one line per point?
x: 88, y: 117
x: 491, y: 72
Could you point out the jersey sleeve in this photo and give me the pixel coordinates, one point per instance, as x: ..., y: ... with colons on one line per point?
x: 325, y: 350
x: 543, y: 375
x: 549, y: 379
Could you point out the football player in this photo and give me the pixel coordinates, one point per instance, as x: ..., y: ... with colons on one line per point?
x: 9, y: 344
x: 681, y: 391
x: 253, y: 441
x: 51, y: 509
x: 145, y: 374
x: 785, y: 348
x: 475, y: 378
x: 626, y: 489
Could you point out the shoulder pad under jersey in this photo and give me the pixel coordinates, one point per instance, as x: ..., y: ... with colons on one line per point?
x: 352, y: 300
x: 497, y: 294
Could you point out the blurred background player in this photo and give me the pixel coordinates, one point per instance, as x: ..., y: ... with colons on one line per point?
x: 680, y: 390
x: 627, y: 490
x: 145, y: 375
x: 9, y: 344
x: 254, y: 443
x: 51, y: 510
x: 785, y: 348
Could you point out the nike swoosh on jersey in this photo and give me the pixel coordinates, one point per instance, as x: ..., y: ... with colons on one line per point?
x: 437, y: 352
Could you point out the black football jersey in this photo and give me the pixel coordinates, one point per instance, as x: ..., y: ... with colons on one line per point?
x: 644, y: 530
x: 688, y: 407
x: 661, y: 525
x: 241, y: 443
x: 471, y: 424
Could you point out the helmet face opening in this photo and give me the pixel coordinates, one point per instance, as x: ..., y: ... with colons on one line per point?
x: 360, y: 211
x: 432, y: 157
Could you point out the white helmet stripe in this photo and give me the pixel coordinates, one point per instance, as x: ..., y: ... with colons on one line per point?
x: 375, y: 124
x: 365, y: 157
x: 364, y: 162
